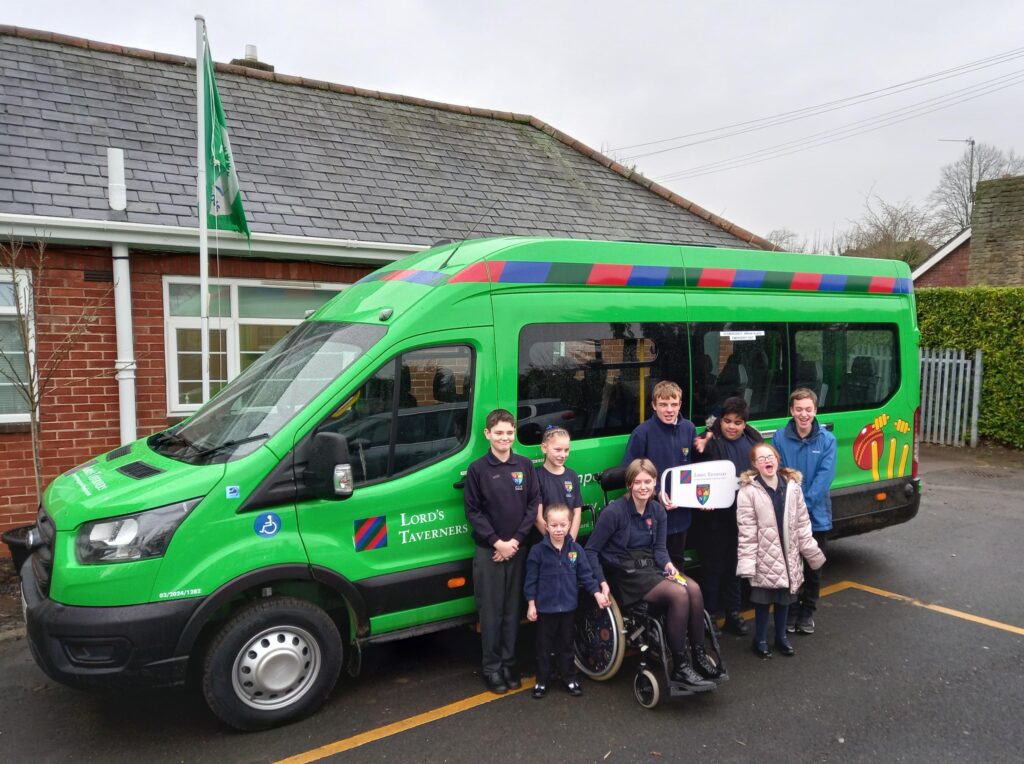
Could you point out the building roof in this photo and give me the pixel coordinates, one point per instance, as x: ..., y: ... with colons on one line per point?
x: 314, y: 158
x: 939, y: 254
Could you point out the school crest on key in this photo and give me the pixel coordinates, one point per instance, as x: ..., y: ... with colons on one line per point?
x: 703, y: 493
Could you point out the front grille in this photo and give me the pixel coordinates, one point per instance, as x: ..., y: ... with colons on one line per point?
x: 42, y: 557
x: 117, y: 453
x: 139, y: 470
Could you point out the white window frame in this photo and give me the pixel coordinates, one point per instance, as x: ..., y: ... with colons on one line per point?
x: 230, y: 325
x: 23, y: 282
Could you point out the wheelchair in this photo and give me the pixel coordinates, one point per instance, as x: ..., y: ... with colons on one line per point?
x: 602, y: 637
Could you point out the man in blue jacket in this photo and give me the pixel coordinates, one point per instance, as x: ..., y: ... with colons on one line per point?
x: 806, y: 446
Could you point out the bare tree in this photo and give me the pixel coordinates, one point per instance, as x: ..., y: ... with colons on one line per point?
x: 892, y: 231
x: 787, y: 240
x: 953, y: 199
x: 33, y: 374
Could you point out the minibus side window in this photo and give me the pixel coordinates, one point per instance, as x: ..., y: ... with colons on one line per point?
x: 849, y: 366
x: 739, y: 359
x: 594, y: 379
x: 392, y: 429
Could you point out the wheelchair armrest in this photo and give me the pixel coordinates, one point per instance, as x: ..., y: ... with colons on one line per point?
x: 612, y: 479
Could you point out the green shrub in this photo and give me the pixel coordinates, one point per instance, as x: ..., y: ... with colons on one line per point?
x: 990, y: 318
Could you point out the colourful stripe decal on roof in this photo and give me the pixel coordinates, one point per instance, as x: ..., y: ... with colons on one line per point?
x: 610, y: 274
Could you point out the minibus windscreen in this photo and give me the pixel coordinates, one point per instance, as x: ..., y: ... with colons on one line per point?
x: 267, y: 395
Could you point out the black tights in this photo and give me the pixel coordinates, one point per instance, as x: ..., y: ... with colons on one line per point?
x: 684, y: 612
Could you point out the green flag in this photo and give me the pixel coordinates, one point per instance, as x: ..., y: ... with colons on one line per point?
x: 224, y: 211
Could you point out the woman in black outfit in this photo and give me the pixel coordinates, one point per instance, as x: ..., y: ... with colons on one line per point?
x: 629, y: 538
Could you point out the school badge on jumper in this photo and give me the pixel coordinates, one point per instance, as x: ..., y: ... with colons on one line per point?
x: 572, y: 559
x: 517, y: 478
x: 703, y: 493
x: 568, y: 488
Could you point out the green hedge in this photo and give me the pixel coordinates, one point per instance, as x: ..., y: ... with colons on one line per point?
x: 990, y: 318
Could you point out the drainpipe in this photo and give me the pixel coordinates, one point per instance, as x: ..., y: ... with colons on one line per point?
x: 125, y: 364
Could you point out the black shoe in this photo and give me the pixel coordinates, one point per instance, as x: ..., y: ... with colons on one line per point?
x: 684, y: 674
x: 783, y: 646
x: 735, y: 624
x: 512, y: 678
x: 574, y: 688
x: 495, y: 682
x: 804, y: 625
x: 761, y: 650
x: 539, y: 691
x: 704, y: 665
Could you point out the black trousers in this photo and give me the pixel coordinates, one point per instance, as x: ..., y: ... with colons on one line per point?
x: 554, y: 647
x: 717, y: 539
x: 499, y: 593
x: 810, y: 592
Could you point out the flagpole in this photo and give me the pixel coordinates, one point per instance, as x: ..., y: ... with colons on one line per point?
x: 204, y: 203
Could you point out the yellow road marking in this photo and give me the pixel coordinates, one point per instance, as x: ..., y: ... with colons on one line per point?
x: 473, y: 701
x: 380, y: 733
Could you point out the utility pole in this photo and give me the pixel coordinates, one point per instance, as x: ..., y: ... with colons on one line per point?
x: 970, y: 171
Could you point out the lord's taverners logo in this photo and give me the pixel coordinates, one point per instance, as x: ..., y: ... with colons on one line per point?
x: 685, y: 477
x: 370, y: 533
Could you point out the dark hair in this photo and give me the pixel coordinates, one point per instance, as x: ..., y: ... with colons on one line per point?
x: 736, y: 405
x: 556, y: 507
x: 499, y: 415
x: 554, y: 431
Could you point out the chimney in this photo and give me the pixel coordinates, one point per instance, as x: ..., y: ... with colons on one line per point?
x: 251, y: 61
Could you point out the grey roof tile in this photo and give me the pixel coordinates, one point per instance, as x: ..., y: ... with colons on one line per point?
x: 314, y: 162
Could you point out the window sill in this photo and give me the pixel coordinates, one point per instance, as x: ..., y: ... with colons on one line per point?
x: 14, y: 428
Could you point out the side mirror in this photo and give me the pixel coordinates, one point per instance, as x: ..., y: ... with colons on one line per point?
x: 328, y: 472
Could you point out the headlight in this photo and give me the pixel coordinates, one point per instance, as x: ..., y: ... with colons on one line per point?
x: 131, y: 537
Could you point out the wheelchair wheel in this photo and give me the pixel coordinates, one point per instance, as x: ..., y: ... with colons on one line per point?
x: 646, y: 689
x: 713, y: 648
x: 598, y: 641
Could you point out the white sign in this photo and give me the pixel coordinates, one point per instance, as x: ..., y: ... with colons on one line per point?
x: 742, y: 336
x: 708, y: 485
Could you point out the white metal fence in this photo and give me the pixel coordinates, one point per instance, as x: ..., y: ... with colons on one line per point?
x: 950, y: 396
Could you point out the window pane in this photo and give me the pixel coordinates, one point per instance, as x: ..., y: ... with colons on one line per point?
x: 849, y: 366
x: 13, y: 365
x: 184, y: 300
x: 745, y: 360
x: 433, y: 402
x: 254, y: 341
x: 594, y: 379
x: 190, y: 369
x: 276, y: 302
x: 365, y: 420
x: 6, y: 294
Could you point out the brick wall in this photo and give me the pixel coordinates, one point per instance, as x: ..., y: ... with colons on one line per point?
x: 950, y: 271
x: 997, y: 233
x: 80, y: 417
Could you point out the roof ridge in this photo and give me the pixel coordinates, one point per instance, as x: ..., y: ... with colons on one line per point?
x: 739, y: 232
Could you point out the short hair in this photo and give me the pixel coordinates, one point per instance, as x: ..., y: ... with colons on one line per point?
x: 554, y: 431
x: 736, y: 405
x: 636, y: 467
x: 770, y: 447
x: 803, y: 392
x: 666, y: 389
x: 499, y: 415
x: 556, y: 507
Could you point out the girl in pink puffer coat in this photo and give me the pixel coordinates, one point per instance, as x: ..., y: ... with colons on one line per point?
x: 774, y: 531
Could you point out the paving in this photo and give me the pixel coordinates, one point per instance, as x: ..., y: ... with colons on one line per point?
x: 918, y: 656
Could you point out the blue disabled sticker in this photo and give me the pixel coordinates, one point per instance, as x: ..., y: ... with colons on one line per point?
x: 232, y: 492
x: 267, y: 525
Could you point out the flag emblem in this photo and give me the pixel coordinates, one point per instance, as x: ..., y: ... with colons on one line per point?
x: 685, y: 477
x: 517, y: 478
x: 370, y: 533
x: 703, y: 493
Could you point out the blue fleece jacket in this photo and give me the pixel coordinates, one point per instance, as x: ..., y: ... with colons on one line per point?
x: 668, y: 446
x: 553, y: 576
x: 814, y: 457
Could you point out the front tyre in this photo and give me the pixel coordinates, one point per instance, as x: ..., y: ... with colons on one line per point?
x: 276, y: 660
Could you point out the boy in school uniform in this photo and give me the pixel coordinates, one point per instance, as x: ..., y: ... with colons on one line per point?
x: 668, y: 439
x: 501, y: 498
x: 804, y: 445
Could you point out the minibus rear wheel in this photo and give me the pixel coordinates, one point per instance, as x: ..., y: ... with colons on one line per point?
x: 274, y: 661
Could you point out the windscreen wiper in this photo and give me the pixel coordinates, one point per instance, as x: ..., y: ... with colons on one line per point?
x: 176, y: 438
x: 232, y: 443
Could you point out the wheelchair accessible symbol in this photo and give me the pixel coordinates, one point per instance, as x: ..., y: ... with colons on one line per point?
x: 267, y: 525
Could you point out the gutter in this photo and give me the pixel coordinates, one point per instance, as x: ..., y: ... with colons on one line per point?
x: 146, y: 236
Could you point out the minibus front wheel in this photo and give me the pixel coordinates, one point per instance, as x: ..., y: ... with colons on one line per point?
x: 274, y: 661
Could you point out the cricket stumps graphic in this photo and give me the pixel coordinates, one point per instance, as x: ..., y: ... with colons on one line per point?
x: 872, y: 452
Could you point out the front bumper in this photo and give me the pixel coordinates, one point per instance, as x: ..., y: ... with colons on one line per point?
x: 105, y: 647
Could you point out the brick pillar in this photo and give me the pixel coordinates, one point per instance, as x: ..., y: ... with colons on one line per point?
x: 997, y: 233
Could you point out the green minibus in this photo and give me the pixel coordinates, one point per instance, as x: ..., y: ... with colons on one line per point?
x: 314, y: 505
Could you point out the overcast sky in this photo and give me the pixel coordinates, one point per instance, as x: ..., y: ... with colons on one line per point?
x: 617, y: 74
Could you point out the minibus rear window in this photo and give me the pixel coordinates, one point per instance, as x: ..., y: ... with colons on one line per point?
x: 258, y: 403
